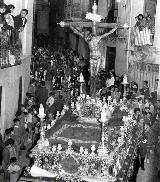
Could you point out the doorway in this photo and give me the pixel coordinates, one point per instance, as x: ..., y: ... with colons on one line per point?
x: 110, y: 58
x: 20, y: 92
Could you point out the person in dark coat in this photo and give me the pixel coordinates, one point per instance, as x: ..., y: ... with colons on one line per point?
x: 1, y: 147
x: 2, y: 19
x: 146, y: 90
x: 8, y: 152
x: 19, y: 23
x: 143, y: 152
x: 42, y: 94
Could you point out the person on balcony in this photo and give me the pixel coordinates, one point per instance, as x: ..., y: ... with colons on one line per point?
x: 9, y: 23
x: 19, y: 24
x: 2, y: 19
x: 142, y: 31
x: 11, y: 8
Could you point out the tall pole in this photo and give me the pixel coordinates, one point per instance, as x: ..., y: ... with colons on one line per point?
x: 129, y: 34
x: 94, y: 11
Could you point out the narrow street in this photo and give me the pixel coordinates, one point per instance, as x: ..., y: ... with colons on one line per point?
x: 150, y: 172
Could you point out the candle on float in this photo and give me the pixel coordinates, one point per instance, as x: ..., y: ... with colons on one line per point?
x: 72, y: 105
x: 69, y: 142
x: 58, y: 113
x: 78, y: 107
x: 86, y: 151
x: 51, y: 62
x: 109, y: 98
x: 81, y: 150
x: 69, y: 78
x: 103, y: 115
x: 93, y: 148
x: 59, y: 147
x: 125, y: 79
x: 71, y: 92
x: 81, y: 78
x: 44, y: 75
x: 83, y: 96
x: 114, y: 101
x: 36, y: 74
x: 87, y: 97
x: 41, y: 110
x: 53, y: 80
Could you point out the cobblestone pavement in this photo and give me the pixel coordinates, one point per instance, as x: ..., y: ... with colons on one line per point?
x: 150, y: 172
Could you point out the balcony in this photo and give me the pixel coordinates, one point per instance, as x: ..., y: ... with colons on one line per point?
x: 10, y: 50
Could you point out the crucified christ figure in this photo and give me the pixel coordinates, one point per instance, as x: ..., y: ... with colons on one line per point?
x: 96, y: 59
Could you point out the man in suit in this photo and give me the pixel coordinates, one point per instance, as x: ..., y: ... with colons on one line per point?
x: 143, y: 151
x: 19, y: 23
x: 42, y: 94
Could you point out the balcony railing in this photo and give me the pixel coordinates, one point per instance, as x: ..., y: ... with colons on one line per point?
x: 10, y: 50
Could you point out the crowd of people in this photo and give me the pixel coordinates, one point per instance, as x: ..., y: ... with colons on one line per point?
x: 55, y: 73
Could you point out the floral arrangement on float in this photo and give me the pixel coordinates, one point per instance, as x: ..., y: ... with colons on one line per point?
x: 89, y: 109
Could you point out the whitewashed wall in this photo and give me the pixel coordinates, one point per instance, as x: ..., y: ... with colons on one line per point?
x: 9, y: 80
x: 9, y: 77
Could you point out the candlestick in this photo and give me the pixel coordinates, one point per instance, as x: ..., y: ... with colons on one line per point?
x: 125, y: 82
x: 103, y: 115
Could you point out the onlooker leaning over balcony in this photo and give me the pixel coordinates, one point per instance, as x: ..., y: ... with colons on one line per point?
x: 142, y: 32
x: 8, y: 22
x: 19, y: 24
x: 11, y: 7
x: 2, y: 20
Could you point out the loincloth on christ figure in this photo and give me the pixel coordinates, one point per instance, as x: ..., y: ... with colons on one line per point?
x: 97, y: 63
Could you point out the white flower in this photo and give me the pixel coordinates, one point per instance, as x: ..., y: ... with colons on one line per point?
x: 93, y: 17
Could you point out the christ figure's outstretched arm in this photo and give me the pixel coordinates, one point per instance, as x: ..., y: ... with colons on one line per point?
x: 76, y: 31
x: 106, y: 34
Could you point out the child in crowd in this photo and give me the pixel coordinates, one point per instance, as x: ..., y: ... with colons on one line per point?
x: 17, y: 135
x: 8, y: 152
x: 14, y: 170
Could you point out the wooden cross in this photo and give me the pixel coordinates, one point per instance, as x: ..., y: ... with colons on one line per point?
x: 94, y: 23
x: 93, y: 41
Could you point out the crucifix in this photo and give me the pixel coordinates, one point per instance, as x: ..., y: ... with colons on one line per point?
x: 97, y: 61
